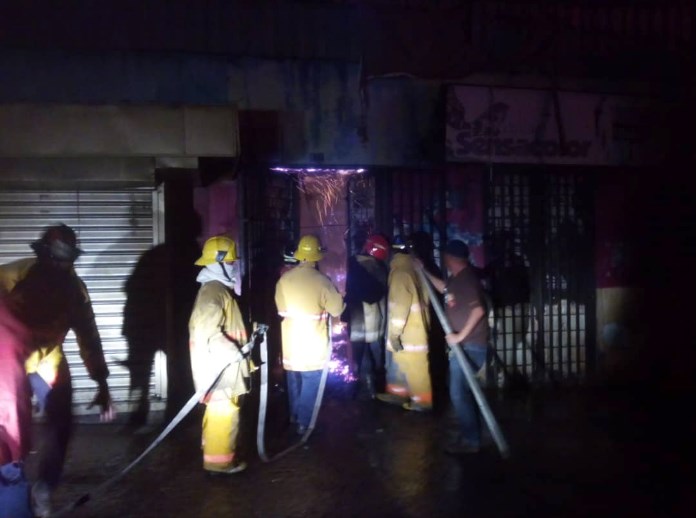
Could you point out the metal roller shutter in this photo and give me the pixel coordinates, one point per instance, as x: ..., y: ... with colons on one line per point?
x: 114, y: 227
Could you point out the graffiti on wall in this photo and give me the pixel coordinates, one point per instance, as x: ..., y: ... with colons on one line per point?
x: 465, y: 209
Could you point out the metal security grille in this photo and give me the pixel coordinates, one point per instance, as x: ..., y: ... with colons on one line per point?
x: 270, y: 205
x: 114, y: 228
x: 417, y: 204
x: 271, y: 222
x: 361, y: 211
x: 540, y: 263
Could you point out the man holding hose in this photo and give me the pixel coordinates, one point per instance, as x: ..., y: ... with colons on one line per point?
x: 464, y: 305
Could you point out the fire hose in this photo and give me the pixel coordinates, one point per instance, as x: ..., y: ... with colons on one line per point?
x: 263, y: 403
x: 467, y: 370
x: 185, y: 410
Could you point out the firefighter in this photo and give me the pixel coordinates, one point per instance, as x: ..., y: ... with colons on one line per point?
x: 408, y: 380
x: 216, y: 335
x: 366, y: 294
x: 305, y: 298
x: 48, y: 298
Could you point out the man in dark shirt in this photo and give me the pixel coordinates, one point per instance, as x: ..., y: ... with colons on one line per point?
x: 464, y: 301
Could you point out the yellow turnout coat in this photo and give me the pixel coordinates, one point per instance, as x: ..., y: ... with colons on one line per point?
x: 215, y: 321
x: 305, y: 298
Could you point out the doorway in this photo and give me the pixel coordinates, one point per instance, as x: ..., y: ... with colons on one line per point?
x: 540, y: 264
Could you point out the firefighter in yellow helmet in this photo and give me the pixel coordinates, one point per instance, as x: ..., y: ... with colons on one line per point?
x: 305, y: 298
x: 47, y: 297
x: 216, y: 334
x: 408, y: 379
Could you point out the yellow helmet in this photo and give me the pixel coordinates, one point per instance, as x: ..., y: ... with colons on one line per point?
x: 309, y: 249
x: 218, y: 249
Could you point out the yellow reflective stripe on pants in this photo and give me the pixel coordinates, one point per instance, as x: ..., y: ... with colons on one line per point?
x: 220, y: 430
x: 397, y: 390
x: 225, y: 459
x: 410, y: 348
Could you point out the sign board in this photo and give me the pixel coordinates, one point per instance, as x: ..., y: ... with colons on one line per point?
x: 515, y: 125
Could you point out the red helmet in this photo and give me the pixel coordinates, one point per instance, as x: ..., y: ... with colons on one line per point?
x: 377, y: 246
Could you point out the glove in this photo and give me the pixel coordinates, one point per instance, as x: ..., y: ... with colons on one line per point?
x: 395, y: 344
x: 103, y: 399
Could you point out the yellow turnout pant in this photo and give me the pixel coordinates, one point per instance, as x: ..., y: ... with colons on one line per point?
x: 408, y: 377
x: 221, y: 424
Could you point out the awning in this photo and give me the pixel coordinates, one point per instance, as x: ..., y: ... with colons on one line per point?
x: 58, y: 130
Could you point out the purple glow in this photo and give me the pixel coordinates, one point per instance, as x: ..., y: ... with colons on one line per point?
x: 338, y: 364
x: 316, y: 170
x: 324, y: 191
x: 340, y: 368
x: 338, y: 329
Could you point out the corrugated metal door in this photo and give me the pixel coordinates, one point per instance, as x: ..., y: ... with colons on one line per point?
x: 114, y: 227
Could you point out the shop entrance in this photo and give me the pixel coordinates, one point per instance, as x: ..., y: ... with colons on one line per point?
x: 280, y: 205
x: 540, y: 262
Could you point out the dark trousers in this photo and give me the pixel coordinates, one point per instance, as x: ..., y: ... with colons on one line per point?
x: 461, y: 396
x: 56, y: 403
x: 302, y: 394
x: 369, y: 364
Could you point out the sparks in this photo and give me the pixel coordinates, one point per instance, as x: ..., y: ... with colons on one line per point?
x: 323, y: 189
x: 338, y: 364
x: 316, y: 170
x: 323, y: 186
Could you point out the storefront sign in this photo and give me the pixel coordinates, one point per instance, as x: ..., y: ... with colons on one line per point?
x: 508, y: 125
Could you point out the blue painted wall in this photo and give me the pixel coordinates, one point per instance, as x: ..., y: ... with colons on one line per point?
x: 323, y: 102
x: 319, y: 101
x: 64, y: 77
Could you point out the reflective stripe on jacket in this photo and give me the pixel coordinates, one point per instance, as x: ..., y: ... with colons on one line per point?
x: 216, y: 321
x: 407, y: 307
x: 366, y: 297
x: 304, y: 298
x: 72, y: 309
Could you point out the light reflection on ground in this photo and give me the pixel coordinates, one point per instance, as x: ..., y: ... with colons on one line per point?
x: 339, y: 363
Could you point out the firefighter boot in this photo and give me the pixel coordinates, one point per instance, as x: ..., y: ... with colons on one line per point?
x: 235, y: 468
x: 416, y: 407
x: 391, y: 399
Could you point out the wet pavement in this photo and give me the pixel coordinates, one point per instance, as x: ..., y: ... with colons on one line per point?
x: 575, y: 453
